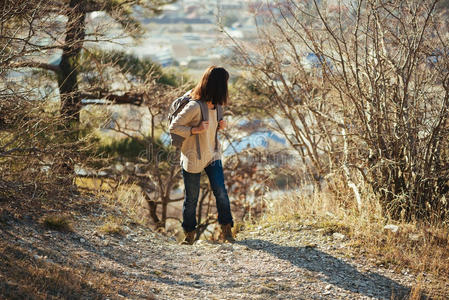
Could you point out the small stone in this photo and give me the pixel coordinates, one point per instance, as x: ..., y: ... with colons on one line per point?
x: 119, y: 167
x: 82, y: 240
x: 129, y: 166
x: 338, y: 236
x: 225, y: 247
x: 392, y: 228
x: 329, y: 214
x: 328, y: 287
x: 414, y: 237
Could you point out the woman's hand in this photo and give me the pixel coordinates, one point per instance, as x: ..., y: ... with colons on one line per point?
x: 222, y: 124
x: 200, y: 129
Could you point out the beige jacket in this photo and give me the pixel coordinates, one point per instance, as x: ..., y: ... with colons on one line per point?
x: 189, y: 117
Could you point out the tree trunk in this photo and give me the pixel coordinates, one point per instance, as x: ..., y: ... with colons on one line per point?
x: 68, y: 74
x: 163, y: 221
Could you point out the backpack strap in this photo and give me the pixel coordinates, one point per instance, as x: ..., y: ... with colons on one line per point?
x: 204, y: 117
x: 219, y: 112
x: 204, y: 110
x: 219, y: 118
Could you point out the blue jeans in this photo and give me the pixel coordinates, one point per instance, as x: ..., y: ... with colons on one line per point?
x: 192, y: 189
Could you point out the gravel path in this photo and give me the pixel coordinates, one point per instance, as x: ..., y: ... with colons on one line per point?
x: 291, y: 262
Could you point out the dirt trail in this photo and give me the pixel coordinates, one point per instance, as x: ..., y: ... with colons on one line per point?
x: 292, y: 262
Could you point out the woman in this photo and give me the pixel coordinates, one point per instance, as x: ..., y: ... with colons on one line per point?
x: 212, y: 89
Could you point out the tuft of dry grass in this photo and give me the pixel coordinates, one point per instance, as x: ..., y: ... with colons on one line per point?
x: 127, y: 197
x: 113, y: 225
x: 238, y: 227
x: 95, y: 184
x: 57, y: 222
x: 131, y: 198
x: 417, y: 292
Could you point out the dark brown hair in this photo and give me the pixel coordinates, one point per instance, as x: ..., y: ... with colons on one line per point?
x: 213, y: 86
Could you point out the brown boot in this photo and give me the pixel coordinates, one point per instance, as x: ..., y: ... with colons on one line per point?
x: 189, y: 239
x: 226, y: 233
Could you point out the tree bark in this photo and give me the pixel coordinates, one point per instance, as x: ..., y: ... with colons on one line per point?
x: 68, y: 73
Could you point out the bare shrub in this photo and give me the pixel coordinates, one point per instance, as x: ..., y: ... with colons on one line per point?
x: 36, y: 150
x: 40, y: 99
x: 360, y: 89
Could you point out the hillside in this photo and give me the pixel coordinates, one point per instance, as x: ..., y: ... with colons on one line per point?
x: 278, y: 260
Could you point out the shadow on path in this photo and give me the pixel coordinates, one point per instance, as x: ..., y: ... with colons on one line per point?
x: 334, y: 270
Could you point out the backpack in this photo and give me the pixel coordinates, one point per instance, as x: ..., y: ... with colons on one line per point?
x: 177, y: 106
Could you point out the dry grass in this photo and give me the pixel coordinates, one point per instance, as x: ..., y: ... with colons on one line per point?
x: 417, y: 292
x: 24, y: 277
x: 417, y: 248
x: 127, y: 197
x: 57, y: 222
x: 113, y: 225
x: 95, y: 184
x: 131, y: 198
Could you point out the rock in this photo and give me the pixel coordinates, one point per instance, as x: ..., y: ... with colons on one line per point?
x: 329, y: 214
x: 328, y: 287
x: 129, y: 166
x: 392, y: 228
x: 82, y: 240
x: 225, y: 247
x: 119, y: 167
x: 338, y: 236
x: 265, y: 290
x: 414, y: 237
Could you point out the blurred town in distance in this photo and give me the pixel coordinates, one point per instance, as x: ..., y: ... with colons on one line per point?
x: 186, y: 33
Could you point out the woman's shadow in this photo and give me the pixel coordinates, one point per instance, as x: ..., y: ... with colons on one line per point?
x: 334, y: 271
